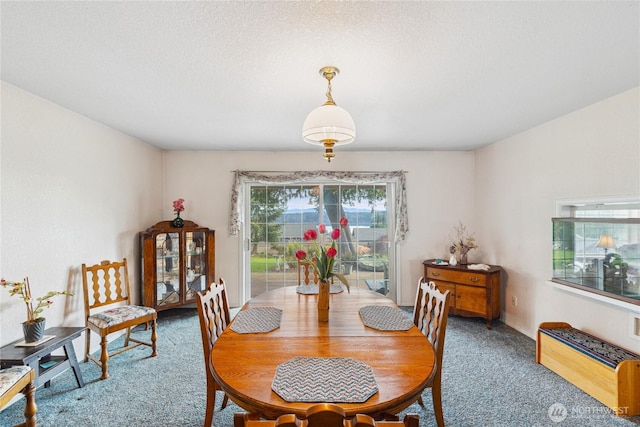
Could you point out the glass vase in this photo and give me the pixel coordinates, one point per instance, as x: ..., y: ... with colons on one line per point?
x: 463, y: 259
x: 178, y: 222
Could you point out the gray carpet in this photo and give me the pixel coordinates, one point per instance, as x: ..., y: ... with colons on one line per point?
x: 490, y: 378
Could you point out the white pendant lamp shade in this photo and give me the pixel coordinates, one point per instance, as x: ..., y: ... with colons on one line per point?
x: 329, y: 122
x: 329, y: 125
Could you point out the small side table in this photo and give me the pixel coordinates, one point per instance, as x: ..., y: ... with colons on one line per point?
x: 39, y: 357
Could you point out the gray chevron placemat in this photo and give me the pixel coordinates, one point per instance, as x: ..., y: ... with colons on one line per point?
x: 313, y: 289
x: 324, y: 379
x: 385, y: 318
x: 257, y: 320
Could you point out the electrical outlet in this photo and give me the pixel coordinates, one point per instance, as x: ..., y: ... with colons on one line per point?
x: 514, y: 301
x: 634, y: 325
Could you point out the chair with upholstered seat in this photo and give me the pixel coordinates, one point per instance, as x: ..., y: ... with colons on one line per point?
x: 108, y: 309
x: 430, y: 317
x: 19, y: 379
x: 213, y: 312
x: 322, y: 415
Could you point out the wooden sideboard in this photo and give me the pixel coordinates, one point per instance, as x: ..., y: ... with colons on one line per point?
x: 474, y: 293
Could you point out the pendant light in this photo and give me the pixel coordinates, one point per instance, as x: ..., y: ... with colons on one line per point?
x: 329, y: 125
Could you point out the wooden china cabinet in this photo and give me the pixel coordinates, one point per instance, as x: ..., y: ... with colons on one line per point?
x: 176, y: 263
x: 474, y: 293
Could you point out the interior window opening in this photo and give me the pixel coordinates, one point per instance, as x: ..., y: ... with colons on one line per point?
x: 596, y: 247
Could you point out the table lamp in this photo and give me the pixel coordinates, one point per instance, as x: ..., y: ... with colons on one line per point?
x: 606, y: 242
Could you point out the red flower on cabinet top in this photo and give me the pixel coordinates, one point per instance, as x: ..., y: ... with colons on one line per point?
x: 178, y: 205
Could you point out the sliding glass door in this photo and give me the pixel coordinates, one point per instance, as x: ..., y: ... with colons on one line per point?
x: 278, y: 216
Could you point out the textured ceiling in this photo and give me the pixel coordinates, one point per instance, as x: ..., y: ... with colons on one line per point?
x: 244, y: 75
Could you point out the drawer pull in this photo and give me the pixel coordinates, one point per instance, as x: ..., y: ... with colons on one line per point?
x: 474, y: 279
x: 435, y: 273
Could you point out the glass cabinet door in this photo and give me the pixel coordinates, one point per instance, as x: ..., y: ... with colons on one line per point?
x: 196, y: 263
x: 176, y: 263
x: 168, y: 268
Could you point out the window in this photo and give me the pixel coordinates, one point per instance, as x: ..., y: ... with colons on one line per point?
x: 280, y: 214
x: 271, y: 211
x: 597, y: 248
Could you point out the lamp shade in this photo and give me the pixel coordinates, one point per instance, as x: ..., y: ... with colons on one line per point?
x: 606, y: 242
x: 329, y: 122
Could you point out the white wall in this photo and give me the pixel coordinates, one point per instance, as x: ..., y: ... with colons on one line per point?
x: 591, y: 153
x: 73, y: 191
x: 440, y: 191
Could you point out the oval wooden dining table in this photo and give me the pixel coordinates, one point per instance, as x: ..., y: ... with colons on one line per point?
x: 244, y: 364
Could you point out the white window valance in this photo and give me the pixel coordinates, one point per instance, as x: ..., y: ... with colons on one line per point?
x: 243, y: 177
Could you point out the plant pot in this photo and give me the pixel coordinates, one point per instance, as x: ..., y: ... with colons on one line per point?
x: 33, y: 331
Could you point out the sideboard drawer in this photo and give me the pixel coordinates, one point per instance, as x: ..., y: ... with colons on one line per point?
x: 468, y: 278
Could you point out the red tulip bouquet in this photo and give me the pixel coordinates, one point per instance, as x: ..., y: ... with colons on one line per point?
x: 324, y: 263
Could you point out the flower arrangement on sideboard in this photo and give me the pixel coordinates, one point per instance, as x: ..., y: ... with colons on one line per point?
x: 462, y: 243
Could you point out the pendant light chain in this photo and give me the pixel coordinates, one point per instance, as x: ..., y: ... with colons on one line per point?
x: 329, y: 76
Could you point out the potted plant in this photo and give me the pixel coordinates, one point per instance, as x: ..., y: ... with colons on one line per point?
x: 34, y: 326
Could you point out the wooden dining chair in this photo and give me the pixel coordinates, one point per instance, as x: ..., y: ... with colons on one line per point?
x: 108, y: 309
x: 430, y: 317
x: 307, y: 275
x: 213, y: 312
x: 19, y: 379
x: 322, y: 415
